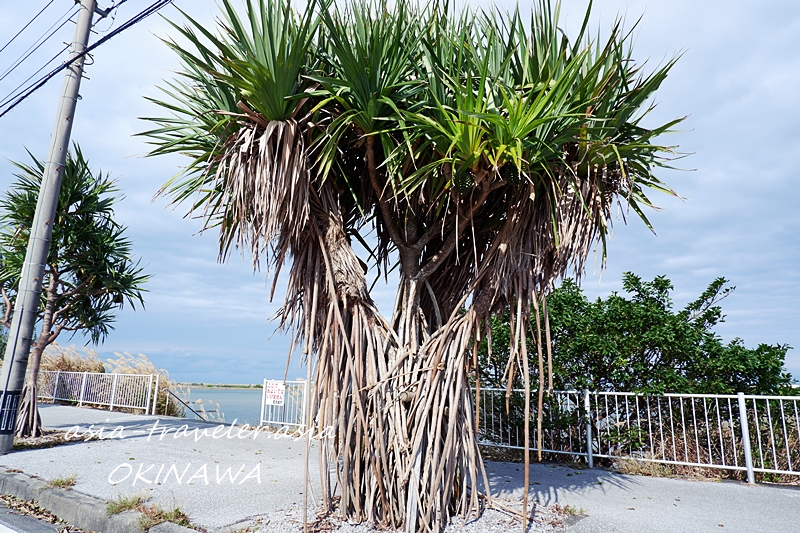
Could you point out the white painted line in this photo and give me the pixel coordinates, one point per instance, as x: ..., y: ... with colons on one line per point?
x: 4, y: 529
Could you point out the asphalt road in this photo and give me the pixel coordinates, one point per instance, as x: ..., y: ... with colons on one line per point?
x: 15, y: 523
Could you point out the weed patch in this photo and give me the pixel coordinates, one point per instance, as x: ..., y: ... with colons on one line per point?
x: 154, y: 515
x: 570, y: 510
x: 125, y: 503
x: 63, y: 482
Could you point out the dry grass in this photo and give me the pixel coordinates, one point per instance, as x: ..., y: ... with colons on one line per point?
x: 170, y: 406
x: 514, y: 455
x: 208, y: 409
x: 154, y: 515
x: 70, y: 359
x: 502, y: 455
x: 212, y: 414
x: 126, y: 363
x: 125, y: 503
x: 63, y: 482
x: 635, y: 467
x: 48, y: 439
x: 570, y: 510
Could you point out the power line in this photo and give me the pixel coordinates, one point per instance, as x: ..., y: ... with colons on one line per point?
x: 13, y: 93
x: 26, y: 25
x: 29, y: 52
x: 117, y: 4
x: 103, y: 14
x: 40, y: 41
x: 136, y: 19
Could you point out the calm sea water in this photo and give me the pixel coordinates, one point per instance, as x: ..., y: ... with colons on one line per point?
x: 243, y: 405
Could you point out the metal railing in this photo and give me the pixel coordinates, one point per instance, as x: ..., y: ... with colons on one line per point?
x: 283, y: 403
x: 502, y: 422
x: 168, y: 393
x: 749, y: 433
x: 130, y: 391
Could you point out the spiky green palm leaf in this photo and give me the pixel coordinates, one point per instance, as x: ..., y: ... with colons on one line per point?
x: 368, y: 52
x: 239, y: 111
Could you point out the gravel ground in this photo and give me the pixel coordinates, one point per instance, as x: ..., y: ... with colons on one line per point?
x: 547, y: 519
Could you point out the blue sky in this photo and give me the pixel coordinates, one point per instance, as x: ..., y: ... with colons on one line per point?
x: 736, y: 81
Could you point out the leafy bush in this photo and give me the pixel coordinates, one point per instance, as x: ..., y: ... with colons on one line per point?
x: 640, y: 344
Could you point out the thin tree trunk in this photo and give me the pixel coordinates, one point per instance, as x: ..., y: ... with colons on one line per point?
x: 540, y: 412
x: 29, y: 423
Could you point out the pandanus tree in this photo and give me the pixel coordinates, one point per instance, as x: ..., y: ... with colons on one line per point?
x: 479, y: 153
x: 90, y: 271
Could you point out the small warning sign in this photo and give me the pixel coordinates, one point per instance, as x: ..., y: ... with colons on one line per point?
x: 274, y: 391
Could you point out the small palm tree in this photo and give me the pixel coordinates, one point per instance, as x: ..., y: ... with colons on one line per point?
x: 90, y: 271
x: 479, y: 153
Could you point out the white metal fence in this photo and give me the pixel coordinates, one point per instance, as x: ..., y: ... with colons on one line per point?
x: 748, y: 433
x: 734, y: 432
x: 283, y: 403
x: 131, y: 391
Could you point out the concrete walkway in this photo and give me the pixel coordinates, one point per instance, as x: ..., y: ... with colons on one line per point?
x: 615, y: 503
x: 219, y: 477
x: 216, y: 474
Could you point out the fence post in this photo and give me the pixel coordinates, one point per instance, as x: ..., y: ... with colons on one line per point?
x: 587, y: 405
x: 263, y: 401
x: 113, y: 392
x: 748, y: 455
x: 83, y: 389
x: 55, y: 388
x: 155, y: 395
x: 149, y: 393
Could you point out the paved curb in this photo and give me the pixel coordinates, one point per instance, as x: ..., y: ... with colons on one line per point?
x: 81, y: 510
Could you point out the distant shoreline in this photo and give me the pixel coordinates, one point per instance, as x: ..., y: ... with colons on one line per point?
x: 221, y: 386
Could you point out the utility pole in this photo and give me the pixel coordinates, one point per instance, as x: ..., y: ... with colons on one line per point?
x: 12, y: 377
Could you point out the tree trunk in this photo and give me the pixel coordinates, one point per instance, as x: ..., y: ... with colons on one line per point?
x: 394, y: 395
x: 391, y: 397
x: 29, y: 423
x: 405, y: 448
